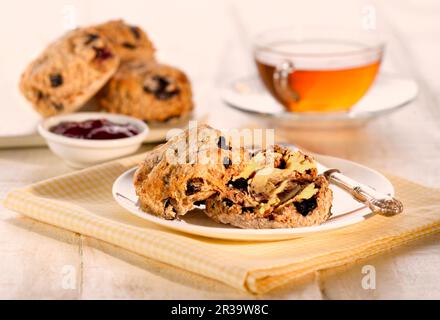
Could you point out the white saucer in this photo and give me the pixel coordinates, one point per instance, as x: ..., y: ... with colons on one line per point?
x: 346, y: 211
x: 388, y: 93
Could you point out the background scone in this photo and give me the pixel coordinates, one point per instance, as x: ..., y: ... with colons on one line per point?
x: 147, y: 91
x: 69, y: 72
x: 130, y: 42
x: 283, y: 192
x: 185, y: 171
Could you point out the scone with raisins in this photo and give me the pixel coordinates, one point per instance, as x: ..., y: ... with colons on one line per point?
x: 277, y: 188
x: 148, y: 91
x: 69, y: 72
x: 130, y: 42
x: 187, y: 170
x: 273, y: 188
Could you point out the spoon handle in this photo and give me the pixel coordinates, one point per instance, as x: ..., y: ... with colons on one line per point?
x: 379, y: 203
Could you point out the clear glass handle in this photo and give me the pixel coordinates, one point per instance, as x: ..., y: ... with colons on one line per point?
x: 281, y: 82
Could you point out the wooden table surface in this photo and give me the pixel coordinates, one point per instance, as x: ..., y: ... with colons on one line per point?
x: 210, y: 41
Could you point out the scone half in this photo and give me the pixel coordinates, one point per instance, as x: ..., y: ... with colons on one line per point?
x: 169, y: 187
x: 311, y: 206
x: 69, y: 72
x: 277, y: 188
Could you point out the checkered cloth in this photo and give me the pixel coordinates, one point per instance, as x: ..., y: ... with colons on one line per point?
x: 82, y: 202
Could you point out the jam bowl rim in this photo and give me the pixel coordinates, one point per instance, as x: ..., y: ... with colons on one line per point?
x: 45, y: 125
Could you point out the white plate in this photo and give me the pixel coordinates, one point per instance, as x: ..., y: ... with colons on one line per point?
x: 18, y: 129
x: 346, y: 210
x: 387, y: 94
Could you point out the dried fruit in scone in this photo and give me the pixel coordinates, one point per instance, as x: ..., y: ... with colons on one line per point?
x: 69, y: 72
x: 270, y: 177
x: 129, y: 41
x: 185, y: 171
x: 310, y: 205
x: 148, y: 91
x: 285, y: 193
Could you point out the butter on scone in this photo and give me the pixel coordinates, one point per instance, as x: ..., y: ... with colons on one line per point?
x: 306, y: 204
x: 69, y: 72
x: 284, y: 192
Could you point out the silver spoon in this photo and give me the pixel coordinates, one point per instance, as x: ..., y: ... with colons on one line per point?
x: 378, y: 202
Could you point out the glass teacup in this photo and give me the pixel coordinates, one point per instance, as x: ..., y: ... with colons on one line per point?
x: 318, y: 69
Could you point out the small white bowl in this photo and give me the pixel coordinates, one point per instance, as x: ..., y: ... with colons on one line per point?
x: 81, y: 153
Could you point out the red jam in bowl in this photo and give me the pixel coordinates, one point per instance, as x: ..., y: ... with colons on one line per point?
x: 99, y: 129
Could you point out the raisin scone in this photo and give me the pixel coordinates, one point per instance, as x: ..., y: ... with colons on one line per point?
x: 130, y: 42
x: 69, y: 72
x: 148, y: 91
x: 187, y: 170
x: 284, y: 192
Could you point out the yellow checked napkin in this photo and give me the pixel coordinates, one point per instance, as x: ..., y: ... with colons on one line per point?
x: 82, y: 202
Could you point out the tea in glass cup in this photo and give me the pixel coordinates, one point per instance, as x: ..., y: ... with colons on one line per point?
x: 318, y: 70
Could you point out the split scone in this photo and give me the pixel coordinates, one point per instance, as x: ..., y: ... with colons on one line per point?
x: 276, y: 189
x: 187, y: 170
